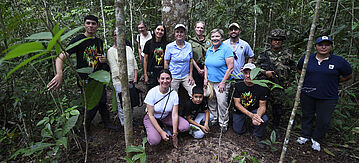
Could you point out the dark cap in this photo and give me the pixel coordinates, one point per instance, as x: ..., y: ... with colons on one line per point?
x: 323, y: 38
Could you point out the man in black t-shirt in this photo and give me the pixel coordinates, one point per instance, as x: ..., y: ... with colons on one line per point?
x: 197, y: 113
x: 89, y: 53
x: 250, y: 100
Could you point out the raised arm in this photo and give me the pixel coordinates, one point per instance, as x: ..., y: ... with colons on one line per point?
x: 56, y: 82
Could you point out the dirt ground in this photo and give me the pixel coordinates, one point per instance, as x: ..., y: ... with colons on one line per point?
x: 109, y: 146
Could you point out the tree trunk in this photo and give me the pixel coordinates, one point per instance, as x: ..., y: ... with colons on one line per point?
x: 104, y: 24
x: 300, y: 84
x: 174, y: 12
x: 255, y: 26
x: 121, y: 51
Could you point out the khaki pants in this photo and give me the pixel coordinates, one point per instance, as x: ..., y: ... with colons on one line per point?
x: 184, y: 81
x: 218, y: 106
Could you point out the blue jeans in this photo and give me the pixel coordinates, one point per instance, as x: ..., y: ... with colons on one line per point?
x: 200, y: 119
x: 239, y: 126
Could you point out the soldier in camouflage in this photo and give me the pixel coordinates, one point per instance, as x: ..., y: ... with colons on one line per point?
x: 277, y: 65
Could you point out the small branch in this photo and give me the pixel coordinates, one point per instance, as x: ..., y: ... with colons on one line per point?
x: 340, y: 91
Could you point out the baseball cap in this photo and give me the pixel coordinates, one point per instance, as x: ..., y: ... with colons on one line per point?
x: 181, y: 25
x: 250, y: 66
x: 323, y: 38
x: 233, y: 24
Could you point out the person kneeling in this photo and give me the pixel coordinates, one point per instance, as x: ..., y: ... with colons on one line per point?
x: 197, y: 113
x: 162, y: 108
x: 250, y: 100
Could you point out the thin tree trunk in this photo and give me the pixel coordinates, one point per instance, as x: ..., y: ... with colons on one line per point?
x: 121, y: 51
x: 131, y: 26
x: 174, y: 12
x: 300, y: 84
x: 255, y: 26
x: 104, y: 24
x: 352, y: 31
x: 335, y: 17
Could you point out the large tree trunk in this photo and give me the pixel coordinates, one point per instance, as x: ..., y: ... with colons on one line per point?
x: 174, y: 12
x: 121, y: 51
x: 300, y: 84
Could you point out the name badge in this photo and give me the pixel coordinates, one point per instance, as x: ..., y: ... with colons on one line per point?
x: 331, y: 67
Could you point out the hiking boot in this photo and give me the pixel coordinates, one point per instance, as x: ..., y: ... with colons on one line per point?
x: 302, y: 140
x: 315, y: 145
x: 112, y: 127
x: 223, y: 130
x: 259, y: 142
x: 277, y: 133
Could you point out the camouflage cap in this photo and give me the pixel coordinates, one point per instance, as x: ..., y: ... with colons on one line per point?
x: 277, y: 34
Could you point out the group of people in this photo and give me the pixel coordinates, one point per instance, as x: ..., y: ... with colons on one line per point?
x: 206, y: 68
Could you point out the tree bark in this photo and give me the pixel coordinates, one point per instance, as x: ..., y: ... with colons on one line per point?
x: 121, y: 51
x: 300, y: 84
x: 174, y: 12
x: 104, y: 24
x: 255, y: 26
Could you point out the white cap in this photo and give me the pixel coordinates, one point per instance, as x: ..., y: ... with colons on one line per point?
x: 250, y: 66
x: 233, y: 24
x: 181, y: 25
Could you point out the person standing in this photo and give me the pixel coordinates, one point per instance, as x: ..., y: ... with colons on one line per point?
x: 199, y: 47
x: 319, y: 94
x: 132, y: 69
x: 143, y: 36
x: 154, y: 56
x: 277, y: 65
x: 89, y: 53
x: 240, y: 49
x: 218, y: 68
x: 178, y: 59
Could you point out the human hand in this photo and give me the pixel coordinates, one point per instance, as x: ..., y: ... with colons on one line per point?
x: 256, y: 119
x: 102, y: 58
x: 205, y: 83
x: 165, y: 136
x: 255, y: 122
x: 221, y: 86
x: 134, y: 80
x: 190, y: 80
x: 146, y: 79
x: 269, y: 74
x: 205, y: 129
x: 201, y: 72
x: 175, y: 140
x: 55, y: 82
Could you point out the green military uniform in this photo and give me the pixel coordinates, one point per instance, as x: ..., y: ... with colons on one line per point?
x: 199, y: 49
x: 282, y: 63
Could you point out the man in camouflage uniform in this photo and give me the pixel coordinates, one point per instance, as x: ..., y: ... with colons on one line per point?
x: 277, y: 65
x: 199, y: 47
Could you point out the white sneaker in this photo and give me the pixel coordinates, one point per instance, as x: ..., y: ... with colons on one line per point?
x: 302, y: 140
x: 315, y: 145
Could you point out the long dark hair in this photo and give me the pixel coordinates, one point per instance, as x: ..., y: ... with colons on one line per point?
x: 164, y: 37
x: 164, y: 71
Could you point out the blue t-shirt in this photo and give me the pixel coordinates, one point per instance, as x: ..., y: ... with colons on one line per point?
x: 322, y: 79
x: 216, y: 62
x: 179, y: 59
x: 242, y: 49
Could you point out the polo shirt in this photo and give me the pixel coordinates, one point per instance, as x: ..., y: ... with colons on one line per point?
x: 216, y: 62
x: 322, y: 78
x: 179, y: 59
x: 241, y: 49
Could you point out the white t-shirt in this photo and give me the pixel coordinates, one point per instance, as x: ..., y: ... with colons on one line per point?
x: 143, y: 40
x: 154, y: 95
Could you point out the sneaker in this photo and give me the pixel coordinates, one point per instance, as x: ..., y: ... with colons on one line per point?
x: 315, y: 145
x: 302, y: 140
x: 223, y: 130
x: 259, y: 142
x: 277, y: 133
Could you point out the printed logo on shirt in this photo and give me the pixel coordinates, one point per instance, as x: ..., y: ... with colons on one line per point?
x: 90, y: 55
x: 207, y: 43
x: 247, y: 99
x: 159, y: 55
x: 331, y: 67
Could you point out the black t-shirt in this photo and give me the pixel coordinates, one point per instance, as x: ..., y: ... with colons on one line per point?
x: 249, y: 95
x: 155, y: 51
x: 193, y: 109
x: 86, y: 54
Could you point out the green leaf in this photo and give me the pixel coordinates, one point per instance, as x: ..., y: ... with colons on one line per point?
x: 74, y: 112
x: 24, y: 49
x: 76, y: 43
x: 254, y: 73
x: 53, y: 42
x: 243, y: 160
x: 94, y: 92
x: 62, y: 141
x: 355, y: 25
x: 128, y: 160
x: 86, y: 70
x: 137, y: 156
x: 46, y: 119
x: 258, y: 9
x: 40, y: 36
x: 143, y: 158
x: 45, y: 133
x: 101, y: 76
x: 266, y: 142
x: 254, y: 160
x: 329, y: 152
x: 70, y: 123
x: 133, y: 149
x: 144, y: 141
x: 273, y: 136
x: 70, y: 33
x: 114, y: 100
x: 236, y: 158
x: 48, y: 128
x: 258, y: 82
x: 25, y: 62
x: 37, y: 147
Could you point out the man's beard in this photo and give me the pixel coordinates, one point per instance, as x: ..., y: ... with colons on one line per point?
x: 233, y: 36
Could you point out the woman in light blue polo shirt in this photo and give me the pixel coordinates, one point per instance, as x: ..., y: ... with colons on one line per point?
x: 178, y: 59
x: 218, y: 68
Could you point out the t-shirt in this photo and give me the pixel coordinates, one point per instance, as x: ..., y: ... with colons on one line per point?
x: 216, y: 62
x: 142, y: 40
x: 87, y: 54
x: 249, y: 96
x: 241, y: 49
x: 112, y: 58
x: 179, y: 59
x: 155, y: 51
x: 155, y: 95
x: 322, y: 79
x: 193, y: 109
